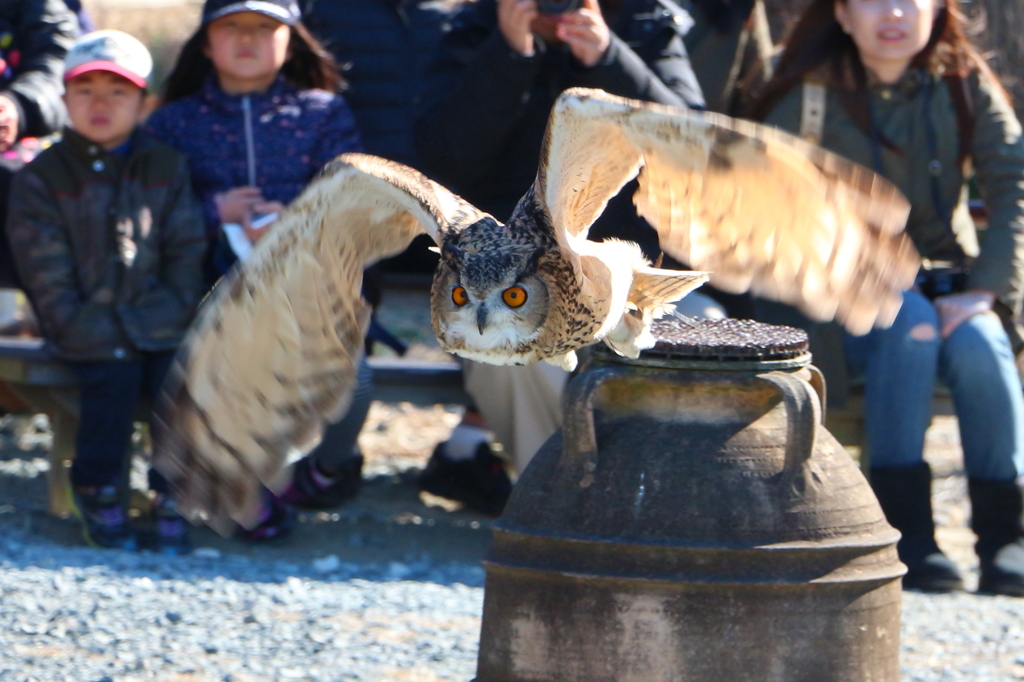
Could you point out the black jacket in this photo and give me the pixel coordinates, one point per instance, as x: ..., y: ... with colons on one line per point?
x: 382, y: 46
x: 41, y: 32
x: 486, y: 106
x: 109, y: 246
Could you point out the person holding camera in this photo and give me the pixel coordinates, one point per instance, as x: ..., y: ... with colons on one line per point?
x: 499, y: 69
x: 489, y: 90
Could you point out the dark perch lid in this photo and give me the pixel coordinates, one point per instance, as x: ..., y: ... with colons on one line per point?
x: 725, y: 340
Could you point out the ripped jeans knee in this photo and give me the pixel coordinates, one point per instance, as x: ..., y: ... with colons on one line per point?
x: 923, y: 331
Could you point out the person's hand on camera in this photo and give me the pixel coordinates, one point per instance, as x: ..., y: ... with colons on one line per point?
x: 514, y: 19
x: 956, y: 309
x: 8, y: 123
x: 585, y: 32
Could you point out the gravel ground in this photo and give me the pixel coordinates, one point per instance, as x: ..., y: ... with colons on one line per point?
x: 353, y: 602
x: 388, y: 588
x: 81, y: 615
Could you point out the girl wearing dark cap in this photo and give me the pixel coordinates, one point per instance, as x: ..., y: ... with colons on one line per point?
x: 253, y: 104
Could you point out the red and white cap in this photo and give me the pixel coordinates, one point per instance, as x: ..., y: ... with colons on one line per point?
x: 112, y: 51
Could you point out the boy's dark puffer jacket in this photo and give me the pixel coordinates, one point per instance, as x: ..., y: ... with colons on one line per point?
x: 109, y: 246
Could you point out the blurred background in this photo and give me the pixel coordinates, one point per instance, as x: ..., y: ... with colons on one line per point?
x: 163, y: 25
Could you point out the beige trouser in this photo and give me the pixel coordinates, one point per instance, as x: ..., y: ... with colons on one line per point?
x: 522, y: 405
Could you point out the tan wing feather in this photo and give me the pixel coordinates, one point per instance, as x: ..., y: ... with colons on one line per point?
x: 758, y: 208
x: 274, y: 351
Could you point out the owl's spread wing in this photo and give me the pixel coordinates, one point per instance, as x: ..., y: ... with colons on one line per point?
x: 760, y: 209
x: 274, y: 350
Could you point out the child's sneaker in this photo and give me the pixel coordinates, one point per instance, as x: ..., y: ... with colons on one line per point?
x: 275, y: 524
x: 481, y: 482
x: 104, y: 522
x: 170, y: 531
x: 311, y: 489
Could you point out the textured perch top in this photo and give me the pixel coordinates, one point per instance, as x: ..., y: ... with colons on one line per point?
x: 727, y: 339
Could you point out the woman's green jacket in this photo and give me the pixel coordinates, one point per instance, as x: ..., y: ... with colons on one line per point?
x: 918, y: 116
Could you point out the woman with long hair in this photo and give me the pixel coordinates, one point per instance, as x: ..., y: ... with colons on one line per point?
x: 253, y: 105
x: 895, y: 86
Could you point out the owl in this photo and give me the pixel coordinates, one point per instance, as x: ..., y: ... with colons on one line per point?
x: 273, y: 352
x: 506, y: 294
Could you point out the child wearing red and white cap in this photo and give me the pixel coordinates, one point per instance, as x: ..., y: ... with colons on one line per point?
x: 108, y: 240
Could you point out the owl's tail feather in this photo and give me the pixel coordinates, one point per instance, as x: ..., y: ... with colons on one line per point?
x: 654, y: 290
x: 651, y: 296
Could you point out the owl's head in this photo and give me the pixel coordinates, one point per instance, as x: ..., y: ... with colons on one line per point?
x: 488, y: 293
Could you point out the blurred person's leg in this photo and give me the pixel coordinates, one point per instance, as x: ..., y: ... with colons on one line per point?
x: 332, y: 472
x: 109, y: 392
x: 978, y: 364
x: 8, y: 306
x: 154, y: 369
x: 170, y: 531
x: 326, y: 477
x: 519, y: 407
x: 899, y: 366
x: 522, y: 406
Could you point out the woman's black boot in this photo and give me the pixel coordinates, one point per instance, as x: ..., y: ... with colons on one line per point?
x: 905, y: 494
x: 997, y: 517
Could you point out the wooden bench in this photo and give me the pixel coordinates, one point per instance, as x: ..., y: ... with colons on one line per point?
x: 47, y: 385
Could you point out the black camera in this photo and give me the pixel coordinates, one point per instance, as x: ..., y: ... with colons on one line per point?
x: 557, y: 6
x: 942, y: 282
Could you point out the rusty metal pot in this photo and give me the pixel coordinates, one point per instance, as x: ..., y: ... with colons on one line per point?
x: 694, y: 522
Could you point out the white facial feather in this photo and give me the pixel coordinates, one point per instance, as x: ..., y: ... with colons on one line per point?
x: 503, y: 330
x: 506, y: 328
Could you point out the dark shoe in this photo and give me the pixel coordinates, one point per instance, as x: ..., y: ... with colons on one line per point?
x: 905, y: 494
x: 928, y: 569
x: 170, y: 531
x: 310, y: 489
x: 480, y: 483
x: 997, y: 517
x: 104, y: 522
x: 276, y: 524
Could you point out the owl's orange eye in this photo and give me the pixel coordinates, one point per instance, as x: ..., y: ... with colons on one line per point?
x: 459, y: 296
x: 514, y: 296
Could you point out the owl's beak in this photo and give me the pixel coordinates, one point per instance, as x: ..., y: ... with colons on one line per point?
x: 481, y: 319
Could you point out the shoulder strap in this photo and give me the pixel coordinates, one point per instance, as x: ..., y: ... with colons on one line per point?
x: 964, y: 106
x: 812, y: 114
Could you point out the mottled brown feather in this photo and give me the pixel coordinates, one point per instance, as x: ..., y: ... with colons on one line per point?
x: 760, y: 209
x: 274, y: 351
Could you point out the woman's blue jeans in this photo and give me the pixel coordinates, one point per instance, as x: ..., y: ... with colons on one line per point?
x: 900, y: 367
